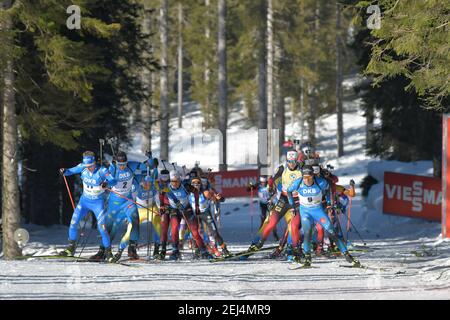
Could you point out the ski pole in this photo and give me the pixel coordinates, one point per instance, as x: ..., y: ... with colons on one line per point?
x: 110, y: 142
x: 356, y: 230
x: 349, y: 214
x: 251, y: 211
x: 73, y: 206
x: 148, y: 222
x: 68, y: 191
x: 102, y: 143
x: 116, y: 193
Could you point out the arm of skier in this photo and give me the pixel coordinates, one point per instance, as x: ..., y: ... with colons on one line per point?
x: 71, y: 171
x: 109, y: 180
x: 293, y: 187
x: 277, y: 175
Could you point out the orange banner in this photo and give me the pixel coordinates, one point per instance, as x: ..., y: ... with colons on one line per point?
x: 412, y: 196
x: 234, y: 183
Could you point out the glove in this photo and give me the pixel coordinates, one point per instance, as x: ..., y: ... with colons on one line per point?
x: 352, y: 183
x: 104, y: 184
x: 148, y: 153
x: 62, y: 170
x: 180, y: 206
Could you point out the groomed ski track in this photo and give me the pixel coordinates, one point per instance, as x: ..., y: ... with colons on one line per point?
x: 404, y: 275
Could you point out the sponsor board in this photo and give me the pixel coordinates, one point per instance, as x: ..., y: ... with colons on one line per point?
x: 234, y: 183
x: 412, y: 196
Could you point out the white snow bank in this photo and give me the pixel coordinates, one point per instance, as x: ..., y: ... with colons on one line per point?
x: 421, y: 168
x: 383, y: 224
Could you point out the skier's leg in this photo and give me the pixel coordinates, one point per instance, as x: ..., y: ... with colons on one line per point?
x: 193, y: 226
x: 321, y: 217
x: 307, y: 225
x: 175, y: 225
x: 78, y: 214
x: 100, y: 213
x: 263, y: 208
x: 320, y: 238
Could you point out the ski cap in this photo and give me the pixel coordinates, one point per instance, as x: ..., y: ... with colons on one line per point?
x: 174, y: 175
x: 121, y: 158
x: 307, y: 171
x: 88, y: 158
x: 165, y: 175
x: 292, y: 155
x: 262, y: 179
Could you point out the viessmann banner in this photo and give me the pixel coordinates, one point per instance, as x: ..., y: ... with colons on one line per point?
x: 412, y: 196
x: 234, y: 183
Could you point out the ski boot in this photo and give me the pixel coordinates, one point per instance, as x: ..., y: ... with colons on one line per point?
x: 155, y: 251
x: 289, y: 252
x: 275, y: 254
x: 256, y: 246
x: 100, y: 255
x: 175, y: 255
x: 132, y: 250
x: 205, y: 254
x: 108, y: 255
x: 117, y: 256
x: 162, y: 254
x: 197, y: 254
x: 225, y: 252
x: 69, y: 251
x: 354, y: 262
x: 307, y: 261
x: 297, y: 255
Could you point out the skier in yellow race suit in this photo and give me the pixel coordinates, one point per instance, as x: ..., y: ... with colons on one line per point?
x: 287, y: 173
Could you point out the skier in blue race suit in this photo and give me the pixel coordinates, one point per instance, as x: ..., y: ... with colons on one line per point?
x: 311, y: 192
x: 127, y: 174
x: 95, y: 179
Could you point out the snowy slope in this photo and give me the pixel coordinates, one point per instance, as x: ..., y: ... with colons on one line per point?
x: 415, y: 262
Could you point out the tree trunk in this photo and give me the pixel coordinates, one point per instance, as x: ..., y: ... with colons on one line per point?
x: 223, y: 94
x: 262, y: 87
x: 270, y: 81
x: 180, y: 65
x: 207, y: 72
x: 313, y: 102
x: 146, y: 108
x: 279, y: 105
x: 164, y: 103
x: 10, y: 196
x: 339, y: 109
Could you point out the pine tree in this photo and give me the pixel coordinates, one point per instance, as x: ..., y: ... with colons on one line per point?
x: 415, y: 45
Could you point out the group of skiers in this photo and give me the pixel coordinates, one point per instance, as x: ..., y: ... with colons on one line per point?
x: 134, y: 192
x: 309, y: 198
x: 301, y: 190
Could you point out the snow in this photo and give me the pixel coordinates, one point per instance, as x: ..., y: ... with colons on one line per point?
x: 415, y: 261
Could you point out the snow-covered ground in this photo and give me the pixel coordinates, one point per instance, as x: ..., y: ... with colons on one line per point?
x: 407, y: 258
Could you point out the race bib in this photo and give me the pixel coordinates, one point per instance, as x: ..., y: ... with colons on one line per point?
x: 92, y: 191
x: 123, y: 187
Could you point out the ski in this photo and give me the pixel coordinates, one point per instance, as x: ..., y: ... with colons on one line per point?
x: 72, y: 258
x: 242, y: 254
x: 297, y: 266
x: 363, y: 267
